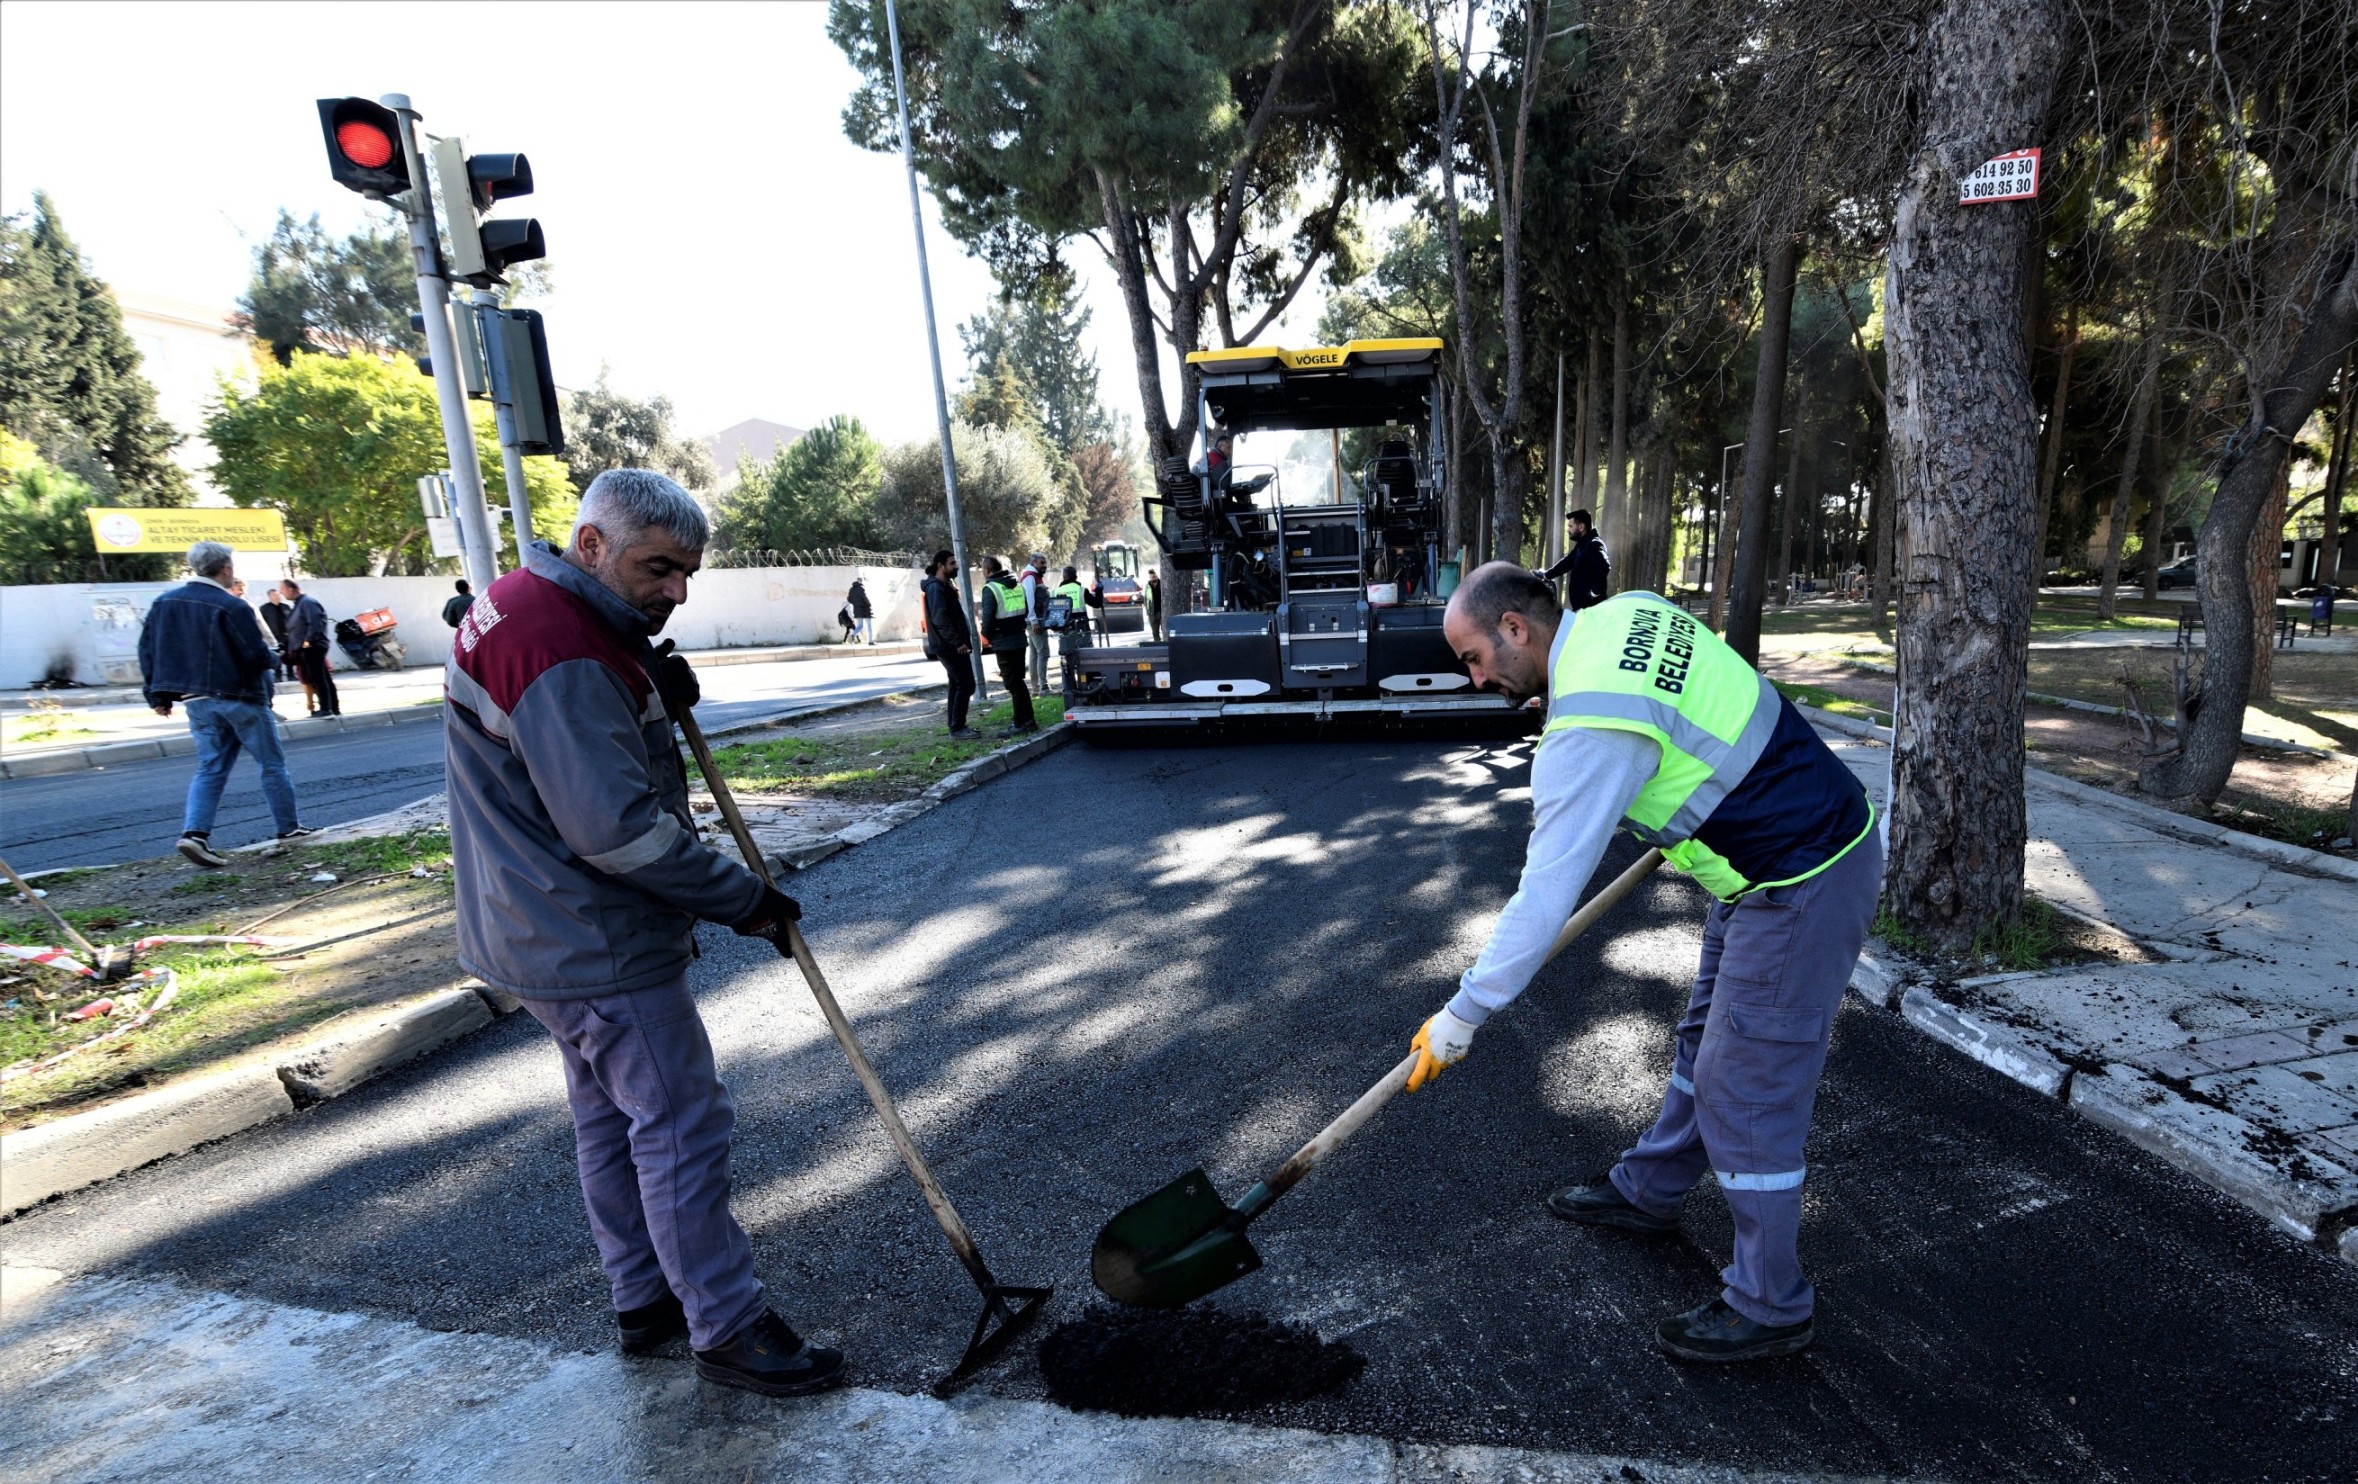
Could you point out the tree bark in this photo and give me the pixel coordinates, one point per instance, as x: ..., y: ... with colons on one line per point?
x: 1592, y: 406
x: 1883, y: 532
x: 2337, y: 473
x: 1779, y: 267
x: 2051, y: 461
x: 1616, y: 504
x: 2267, y: 549
x: 2116, y: 533
x: 1964, y: 447
x: 2248, y: 473
x: 1789, y: 505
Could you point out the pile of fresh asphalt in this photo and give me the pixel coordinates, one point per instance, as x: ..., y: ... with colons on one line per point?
x: 1193, y: 1362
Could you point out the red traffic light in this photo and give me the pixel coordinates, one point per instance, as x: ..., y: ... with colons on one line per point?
x: 364, y: 146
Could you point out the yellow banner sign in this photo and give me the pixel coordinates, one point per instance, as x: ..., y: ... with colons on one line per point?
x: 117, y: 529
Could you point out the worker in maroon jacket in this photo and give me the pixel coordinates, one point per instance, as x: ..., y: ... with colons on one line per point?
x: 580, y: 881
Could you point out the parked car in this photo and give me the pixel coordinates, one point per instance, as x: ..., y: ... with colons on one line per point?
x: 2176, y: 574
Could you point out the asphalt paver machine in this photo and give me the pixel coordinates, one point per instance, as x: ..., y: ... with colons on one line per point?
x: 1324, y: 603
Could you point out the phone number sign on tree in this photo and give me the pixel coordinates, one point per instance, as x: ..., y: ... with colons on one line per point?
x: 2009, y: 177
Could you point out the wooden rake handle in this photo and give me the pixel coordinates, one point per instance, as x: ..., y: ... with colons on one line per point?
x: 953, y: 1227
x: 1306, y: 1158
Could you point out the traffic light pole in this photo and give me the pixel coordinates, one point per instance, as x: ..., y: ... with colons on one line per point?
x: 933, y: 343
x: 458, y: 433
x: 503, y: 411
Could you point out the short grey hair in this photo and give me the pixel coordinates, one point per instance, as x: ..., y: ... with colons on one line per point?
x: 207, y: 558
x: 1496, y: 589
x: 623, y: 503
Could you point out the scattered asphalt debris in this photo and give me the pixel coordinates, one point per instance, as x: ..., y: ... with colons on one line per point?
x: 1189, y: 1362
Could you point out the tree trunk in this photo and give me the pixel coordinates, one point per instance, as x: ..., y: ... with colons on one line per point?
x: 1779, y: 266
x: 2051, y: 462
x: 2116, y: 532
x: 2267, y: 551
x: 2337, y: 473
x: 2206, y: 753
x: 1789, y: 506
x: 1964, y: 448
x: 1882, y: 532
x: 1616, y: 504
x: 2158, y: 472
x: 1592, y: 407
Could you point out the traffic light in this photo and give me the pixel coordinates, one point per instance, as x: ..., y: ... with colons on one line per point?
x: 472, y: 378
x: 516, y: 344
x: 364, y: 146
x: 481, y: 250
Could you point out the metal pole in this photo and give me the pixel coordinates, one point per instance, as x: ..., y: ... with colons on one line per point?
x: 1554, y: 546
x: 458, y: 433
x: 503, y: 411
x: 933, y: 344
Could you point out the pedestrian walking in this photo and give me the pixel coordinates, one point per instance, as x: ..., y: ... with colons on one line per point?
x: 1154, y: 604
x: 201, y: 649
x: 1034, y: 582
x: 1006, y: 620
x: 1655, y: 722
x: 949, y: 639
x: 456, y: 605
x: 863, y: 615
x: 274, y: 619
x: 1587, y: 570
x: 307, y: 648
x: 580, y: 880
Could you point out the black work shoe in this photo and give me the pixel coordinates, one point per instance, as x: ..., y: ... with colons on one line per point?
x: 198, y: 847
x: 647, y: 1327
x: 1597, y: 1202
x: 769, y: 1357
x: 963, y: 734
x: 1716, y: 1333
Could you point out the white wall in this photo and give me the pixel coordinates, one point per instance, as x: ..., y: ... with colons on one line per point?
x: 726, y: 609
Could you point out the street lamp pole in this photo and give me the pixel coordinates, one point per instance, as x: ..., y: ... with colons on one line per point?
x: 933, y: 345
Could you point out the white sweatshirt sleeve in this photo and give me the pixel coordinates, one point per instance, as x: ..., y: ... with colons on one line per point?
x: 1582, y: 782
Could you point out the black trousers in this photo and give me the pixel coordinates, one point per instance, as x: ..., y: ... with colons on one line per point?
x: 960, y: 670
x: 1015, y: 674
x: 312, y: 665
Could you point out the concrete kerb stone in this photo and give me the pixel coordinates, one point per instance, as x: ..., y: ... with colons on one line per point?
x: 83, y: 1149
x: 78, y: 759
x: 337, y: 1064
x: 1876, y: 982
x: 1998, y: 1047
x: 2350, y: 1246
x: 949, y: 786
x: 2215, y: 1146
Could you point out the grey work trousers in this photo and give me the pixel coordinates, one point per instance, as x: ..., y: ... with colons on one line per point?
x: 1745, y: 1077
x: 1039, y: 647
x: 651, y: 1127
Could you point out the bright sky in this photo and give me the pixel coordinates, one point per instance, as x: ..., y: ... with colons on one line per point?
x: 715, y: 238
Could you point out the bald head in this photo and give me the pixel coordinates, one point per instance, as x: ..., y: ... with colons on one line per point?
x: 1500, y: 624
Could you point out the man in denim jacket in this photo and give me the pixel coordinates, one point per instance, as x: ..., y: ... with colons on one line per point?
x: 200, y: 647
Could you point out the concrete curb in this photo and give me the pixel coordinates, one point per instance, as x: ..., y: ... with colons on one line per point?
x: 1996, y: 1046
x: 104, y: 1142
x: 2152, y: 816
x: 2214, y: 1146
x: 983, y: 769
x: 2350, y: 1246
x: 78, y: 759
x: 335, y: 1066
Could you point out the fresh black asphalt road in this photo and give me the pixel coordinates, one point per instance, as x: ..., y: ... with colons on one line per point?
x: 131, y: 811
x: 1090, y: 975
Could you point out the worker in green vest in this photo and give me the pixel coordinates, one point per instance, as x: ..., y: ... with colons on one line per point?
x: 1005, y: 612
x: 1654, y: 723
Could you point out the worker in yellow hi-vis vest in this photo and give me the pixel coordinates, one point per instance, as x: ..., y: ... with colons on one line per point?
x: 1654, y: 723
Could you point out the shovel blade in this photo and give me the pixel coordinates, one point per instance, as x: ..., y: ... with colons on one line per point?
x: 1176, y: 1245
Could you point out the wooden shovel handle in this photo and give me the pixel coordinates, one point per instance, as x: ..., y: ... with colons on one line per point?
x: 953, y: 1227
x: 1371, y: 1102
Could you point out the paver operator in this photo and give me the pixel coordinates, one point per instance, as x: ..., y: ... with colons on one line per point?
x: 1653, y: 722
x: 580, y: 881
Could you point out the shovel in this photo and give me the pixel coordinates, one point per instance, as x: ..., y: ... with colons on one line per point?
x: 1183, y: 1241
x: 1007, y: 1308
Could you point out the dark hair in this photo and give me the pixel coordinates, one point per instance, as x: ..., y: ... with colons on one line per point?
x: 462, y: 586
x: 940, y: 557
x: 1500, y: 588
x: 1583, y: 517
x: 1072, y: 574
x: 992, y: 564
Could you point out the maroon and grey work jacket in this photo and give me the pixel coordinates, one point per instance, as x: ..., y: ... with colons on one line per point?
x: 578, y: 868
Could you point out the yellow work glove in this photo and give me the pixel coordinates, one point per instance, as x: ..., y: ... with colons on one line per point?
x: 1440, y: 1042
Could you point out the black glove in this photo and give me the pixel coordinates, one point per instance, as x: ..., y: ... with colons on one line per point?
x: 770, y: 916
x: 675, y: 680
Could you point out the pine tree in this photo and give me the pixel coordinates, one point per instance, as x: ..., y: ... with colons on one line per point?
x: 69, y: 372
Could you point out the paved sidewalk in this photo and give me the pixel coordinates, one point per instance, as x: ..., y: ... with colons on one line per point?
x: 2236, y: 1057
x: 123, y: 1380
